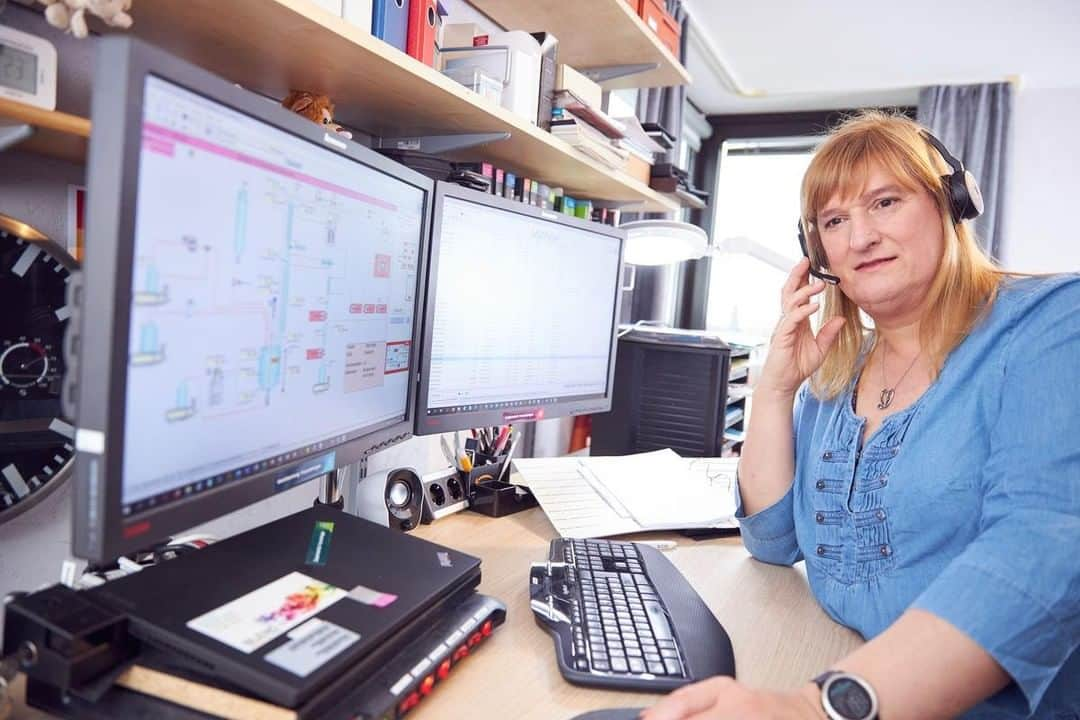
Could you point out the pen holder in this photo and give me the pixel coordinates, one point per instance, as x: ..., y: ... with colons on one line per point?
x: 492, y: 497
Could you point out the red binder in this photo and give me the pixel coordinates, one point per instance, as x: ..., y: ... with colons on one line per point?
x: 420, y: 42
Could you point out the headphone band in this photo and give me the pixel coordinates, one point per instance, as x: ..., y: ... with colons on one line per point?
x: 949, y: 158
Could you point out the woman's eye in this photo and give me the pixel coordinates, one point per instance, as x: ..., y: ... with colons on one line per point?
x: 887, y: 202
x: 832, y: 222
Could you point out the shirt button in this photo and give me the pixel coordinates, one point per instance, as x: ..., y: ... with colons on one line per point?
x: 886, y: 550
x: 820, y: 484
x: 820, y: 517
x: 820, y: 549
x: 880, y: 514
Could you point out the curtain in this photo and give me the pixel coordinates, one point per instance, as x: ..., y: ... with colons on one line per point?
x: 973, y: 123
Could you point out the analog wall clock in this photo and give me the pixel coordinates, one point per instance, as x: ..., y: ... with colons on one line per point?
x: 36, y: 442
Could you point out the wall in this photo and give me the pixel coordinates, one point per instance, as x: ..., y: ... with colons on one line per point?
x: 34, y: 189
x: 1044, y: 181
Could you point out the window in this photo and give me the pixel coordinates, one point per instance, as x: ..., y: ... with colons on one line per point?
x: 757, y: 207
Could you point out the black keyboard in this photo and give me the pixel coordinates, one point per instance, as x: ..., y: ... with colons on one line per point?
x: 623, y: 616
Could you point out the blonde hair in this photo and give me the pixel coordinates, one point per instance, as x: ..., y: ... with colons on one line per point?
x: 967, y: 279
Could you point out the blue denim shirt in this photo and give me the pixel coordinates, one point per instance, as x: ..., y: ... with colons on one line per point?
x: 965, y: 504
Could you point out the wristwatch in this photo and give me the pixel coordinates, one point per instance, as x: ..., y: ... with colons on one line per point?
x: 846, y: 697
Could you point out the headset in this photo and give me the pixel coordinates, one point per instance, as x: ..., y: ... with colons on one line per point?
x: 961, y: 193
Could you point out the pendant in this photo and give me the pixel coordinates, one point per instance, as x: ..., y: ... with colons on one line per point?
x: 886, y: 398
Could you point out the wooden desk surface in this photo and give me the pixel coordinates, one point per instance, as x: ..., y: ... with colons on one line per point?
x: 780, y: 635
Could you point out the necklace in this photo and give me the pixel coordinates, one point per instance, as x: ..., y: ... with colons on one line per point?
x: 887, y: 392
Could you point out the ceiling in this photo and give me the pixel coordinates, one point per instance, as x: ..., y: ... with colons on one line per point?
x: 776, y: 55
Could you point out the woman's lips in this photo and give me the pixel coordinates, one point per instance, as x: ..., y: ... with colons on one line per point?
x: 874, y: 264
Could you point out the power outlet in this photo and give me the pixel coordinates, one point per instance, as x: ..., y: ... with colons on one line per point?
x: 444, y: 494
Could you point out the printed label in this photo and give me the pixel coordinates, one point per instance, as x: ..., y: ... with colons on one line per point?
x: 250, y: 621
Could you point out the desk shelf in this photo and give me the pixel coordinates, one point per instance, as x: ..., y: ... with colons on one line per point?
x: 56, y: 134
x: 272, y: 46
x: 625, y: 39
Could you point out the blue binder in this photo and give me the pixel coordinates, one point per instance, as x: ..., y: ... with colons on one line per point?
x: 390, y: 21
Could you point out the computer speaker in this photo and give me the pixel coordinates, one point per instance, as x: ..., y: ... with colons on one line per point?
x: 394, y: 498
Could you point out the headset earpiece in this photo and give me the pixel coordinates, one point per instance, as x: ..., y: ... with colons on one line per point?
x: 961, y: 190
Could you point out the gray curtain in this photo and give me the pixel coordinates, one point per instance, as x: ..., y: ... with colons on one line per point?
x: 973, y: 122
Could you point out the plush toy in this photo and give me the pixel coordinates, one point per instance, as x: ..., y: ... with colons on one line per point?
x: 316, y: 108
x: 70, y: 15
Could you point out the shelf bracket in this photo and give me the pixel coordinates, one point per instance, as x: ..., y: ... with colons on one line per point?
x: 602, y: 73
x: 434, y: 144
x: 14, y: 134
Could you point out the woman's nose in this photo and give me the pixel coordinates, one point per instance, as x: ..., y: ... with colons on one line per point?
x: 863, y: 233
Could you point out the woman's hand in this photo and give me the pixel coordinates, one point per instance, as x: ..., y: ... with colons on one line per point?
x: 794, y: 352
x: 722, y: 698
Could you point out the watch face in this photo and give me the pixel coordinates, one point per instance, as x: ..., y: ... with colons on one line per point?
x: 36, y: 442
x: 849, y: 699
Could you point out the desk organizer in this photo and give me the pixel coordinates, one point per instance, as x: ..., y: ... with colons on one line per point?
x: 490, y: 496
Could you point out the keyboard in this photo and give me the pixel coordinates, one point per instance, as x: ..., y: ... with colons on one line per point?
x: 622, y: 616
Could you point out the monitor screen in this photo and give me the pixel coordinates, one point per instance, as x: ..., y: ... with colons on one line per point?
x: 521, y: 314
x: 268, y: 307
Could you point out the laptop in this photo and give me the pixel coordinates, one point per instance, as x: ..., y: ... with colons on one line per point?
x: 302, y: 607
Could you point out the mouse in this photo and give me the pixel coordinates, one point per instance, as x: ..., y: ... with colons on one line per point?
x: 610, y: 714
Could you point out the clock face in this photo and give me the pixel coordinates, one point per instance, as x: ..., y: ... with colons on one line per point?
x: 36, y: 442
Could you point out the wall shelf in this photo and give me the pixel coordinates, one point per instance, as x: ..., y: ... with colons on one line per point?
x: 624, y: 39
x: 272, y: 46
x: 56, y: 134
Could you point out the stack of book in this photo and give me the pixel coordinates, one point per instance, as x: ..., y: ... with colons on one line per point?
x: 586, y: 138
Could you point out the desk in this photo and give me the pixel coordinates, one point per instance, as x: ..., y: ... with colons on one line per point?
x: 780, y: 635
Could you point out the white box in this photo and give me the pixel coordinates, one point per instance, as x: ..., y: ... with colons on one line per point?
x: 358, y: 13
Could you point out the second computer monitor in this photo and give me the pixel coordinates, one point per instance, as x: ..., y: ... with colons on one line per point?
x: 521, y: 314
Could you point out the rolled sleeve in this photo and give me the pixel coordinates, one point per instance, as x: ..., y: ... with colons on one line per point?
x: 1015, y: 590
x: 769, y: 535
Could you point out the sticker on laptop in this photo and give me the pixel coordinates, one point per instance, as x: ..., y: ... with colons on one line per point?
x: 371, y: 597
x: 250, y: 621
x: 311, y: 646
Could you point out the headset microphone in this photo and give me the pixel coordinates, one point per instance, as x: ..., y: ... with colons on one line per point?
x: 819, y: 274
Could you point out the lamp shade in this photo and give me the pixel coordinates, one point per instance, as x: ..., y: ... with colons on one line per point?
x: 661, y: 242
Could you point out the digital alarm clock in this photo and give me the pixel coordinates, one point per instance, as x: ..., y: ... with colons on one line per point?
x: 27, y: 68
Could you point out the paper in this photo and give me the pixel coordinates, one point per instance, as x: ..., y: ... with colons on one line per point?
x: 601, y: 496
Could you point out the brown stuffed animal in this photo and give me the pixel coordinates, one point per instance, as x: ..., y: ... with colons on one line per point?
x: 316, y: 108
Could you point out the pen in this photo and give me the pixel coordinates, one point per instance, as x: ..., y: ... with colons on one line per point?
x: 509, y: 454
x: 501, y: 442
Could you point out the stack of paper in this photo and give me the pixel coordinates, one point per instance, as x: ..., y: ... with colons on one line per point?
x: 601, y: 496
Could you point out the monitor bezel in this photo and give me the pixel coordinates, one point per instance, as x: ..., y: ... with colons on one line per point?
x: 426, y: 425
x: 100, y: 532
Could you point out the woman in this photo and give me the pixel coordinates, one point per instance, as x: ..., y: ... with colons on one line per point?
x: 930, y: 474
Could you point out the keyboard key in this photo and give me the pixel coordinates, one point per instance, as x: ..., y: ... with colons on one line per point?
x: 656, y: 667
x: 619, y: 666
x: 672, y: 667
x: 637, y: 665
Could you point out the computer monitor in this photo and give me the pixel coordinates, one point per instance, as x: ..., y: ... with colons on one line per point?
x: 521, y: 315
x: 250, y: 306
